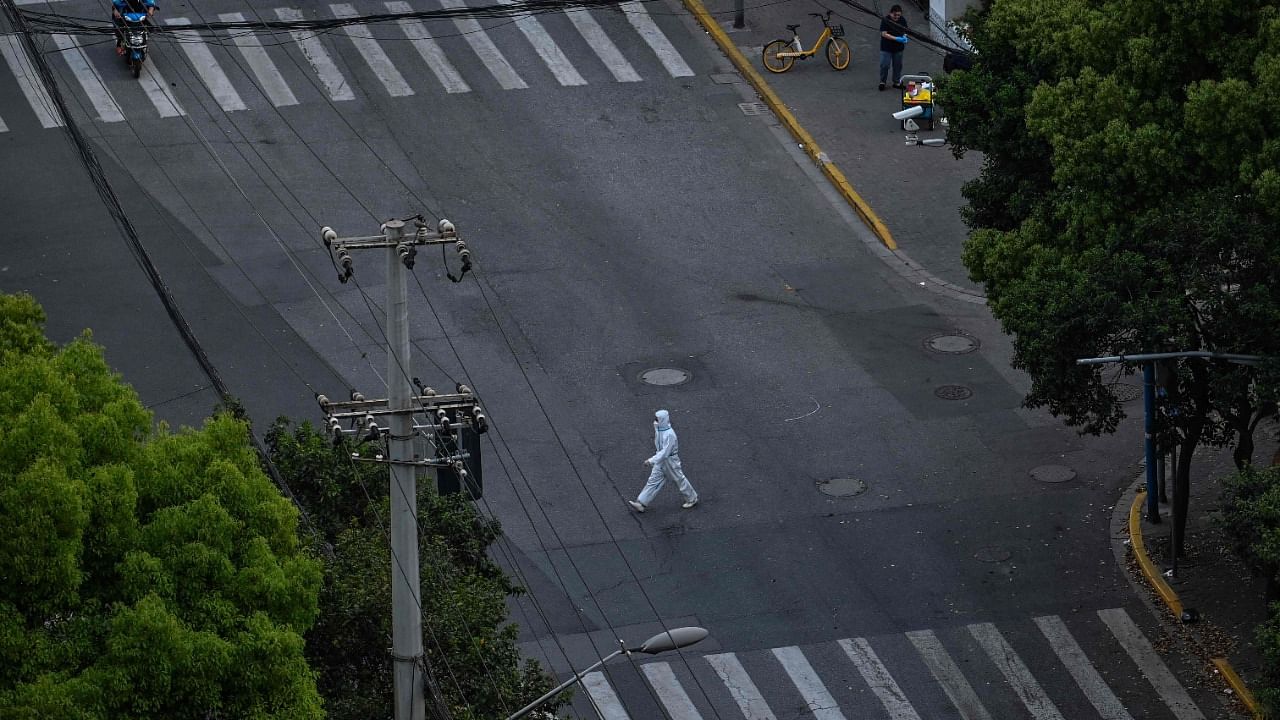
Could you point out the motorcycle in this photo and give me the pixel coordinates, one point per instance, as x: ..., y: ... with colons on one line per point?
x: 134, y: 36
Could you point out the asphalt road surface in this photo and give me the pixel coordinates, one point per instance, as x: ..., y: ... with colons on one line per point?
x: 872, y: 540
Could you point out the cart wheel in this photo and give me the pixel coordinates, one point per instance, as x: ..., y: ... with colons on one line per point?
x: 838, y: 53
x: 772, y: 62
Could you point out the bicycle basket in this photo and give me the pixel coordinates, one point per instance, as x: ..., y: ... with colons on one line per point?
x: 837, y: 31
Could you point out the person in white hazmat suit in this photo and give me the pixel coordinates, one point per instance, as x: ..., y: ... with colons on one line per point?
x: 666, y: 465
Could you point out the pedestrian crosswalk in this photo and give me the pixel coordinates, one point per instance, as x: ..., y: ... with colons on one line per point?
x: 238, y: 70
x: 995, y: 682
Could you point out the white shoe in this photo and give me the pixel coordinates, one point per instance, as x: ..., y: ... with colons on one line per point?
x: 689, y: 503
x: 638, y: 507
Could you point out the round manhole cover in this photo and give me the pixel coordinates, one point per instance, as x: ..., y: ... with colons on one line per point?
x: 665, y: 376
x: 1125, y: 392
x: 953, y: 392
x: 951, y: 343
x: 1053, y: 473
x: 842, y: 487
x: 991, y: 554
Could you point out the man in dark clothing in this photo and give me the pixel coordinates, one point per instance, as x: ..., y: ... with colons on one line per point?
x: 893, y: 38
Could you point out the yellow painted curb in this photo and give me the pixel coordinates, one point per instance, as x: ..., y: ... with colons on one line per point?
x: 801, y: 135
x: 1170, y: 599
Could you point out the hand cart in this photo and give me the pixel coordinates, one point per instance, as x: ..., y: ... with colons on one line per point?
x: 917, y: 91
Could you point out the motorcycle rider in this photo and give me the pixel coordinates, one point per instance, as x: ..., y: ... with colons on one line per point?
x: 120, y: 7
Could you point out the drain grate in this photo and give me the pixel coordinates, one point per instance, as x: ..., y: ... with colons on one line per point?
x: 953, y: 392
x: 753, y: 108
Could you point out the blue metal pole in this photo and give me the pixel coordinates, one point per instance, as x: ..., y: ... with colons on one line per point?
x: 1149, y: 406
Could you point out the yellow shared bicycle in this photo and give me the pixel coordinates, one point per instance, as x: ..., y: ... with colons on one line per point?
x: 780, y: 55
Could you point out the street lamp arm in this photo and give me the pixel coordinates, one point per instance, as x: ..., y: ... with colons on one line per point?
x: 1147, y: 357
x: 562, y: 686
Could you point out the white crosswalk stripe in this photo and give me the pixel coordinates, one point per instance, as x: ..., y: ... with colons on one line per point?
x: 101, y: 99
x: 157, y: 91
x: 29, y: 81
x: 652, y: 35
x: 203, y: 62
x: 603, y: 698
x: 670, y: 692
x: 602, y: 45
x: 948, y: 675
x: 430, y: 50
x: 373, y: 54
x: 1072, y: 656
x: 741, y: 687
x: 802, y: 674
x: 1015, y: 671
x: 546, y: 48
x: 335, y: 84
x: 270, y: 81
x: 484, y: 48
x: 1139, y: 648
x: 879, y: 679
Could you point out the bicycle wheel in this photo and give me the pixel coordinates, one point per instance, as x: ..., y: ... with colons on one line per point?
x: 772, y: 62
x: 838, y: 53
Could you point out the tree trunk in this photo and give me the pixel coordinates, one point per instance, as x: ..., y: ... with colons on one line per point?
x: 1182, y: 490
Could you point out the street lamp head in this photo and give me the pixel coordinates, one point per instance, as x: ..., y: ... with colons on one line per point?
x: 672, y: 640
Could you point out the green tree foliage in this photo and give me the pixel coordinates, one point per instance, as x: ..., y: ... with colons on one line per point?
x: 1129, y: 200
x: 1251, y: 518
x: 469, y: 643
x: 143, y: 574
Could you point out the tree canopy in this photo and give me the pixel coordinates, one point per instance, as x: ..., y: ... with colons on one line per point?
x: 143, y: 573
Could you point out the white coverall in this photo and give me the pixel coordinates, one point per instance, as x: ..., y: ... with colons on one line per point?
x: 665, y: 462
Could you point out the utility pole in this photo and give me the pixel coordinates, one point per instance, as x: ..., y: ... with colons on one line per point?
x: 444, y: 416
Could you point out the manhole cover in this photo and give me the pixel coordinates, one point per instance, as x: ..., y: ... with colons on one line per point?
x: 842, y: 487
x: 991, y: 554
x: 953, y: 392
x: 951, y: 343
x: 1053, y: 473
x: 753, y: 108
x: 1125, y: 392
x: 665, y: 376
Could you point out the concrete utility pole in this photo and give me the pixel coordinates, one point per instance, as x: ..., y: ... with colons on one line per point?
x: 445, y: 415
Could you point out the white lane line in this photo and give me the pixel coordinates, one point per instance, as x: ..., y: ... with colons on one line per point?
x: 1148, y: 660
x: 948, y: 675
x: 669, y: 690
x: 3, y: 127
x: 815, y: 694
x: 604, y: 47
x: 429, y: 49
x: 740, y: 686
x: 486, y: 50
x: 206, y: 66
x: 648, y: 29
x: 313, y: 50
x: 603, y: 697
x: 29, y: 81
x: 270, y: 81
x: 157, y: 90
x: 1070, y: 653
x: 1015, y: 671
x: 547, y: 48
x: 879, y: 680
x: 105, y: 105
x: 373, y: 54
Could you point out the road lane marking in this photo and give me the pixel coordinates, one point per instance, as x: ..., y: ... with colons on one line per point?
x: 421, y: 40
x: 105, y: 105
x: 1148, y: 660
x: 1015, y: 671
x: 546, y: 48
x: 374, y: 56
x: 648, y: 29
x: 670, y: 691
x: 270, y: 81
x: 1073, y: 657
x: 815, y: 694
x: 217, y: 82
x: 603, y: 697
x: 157, y: 90
x: 879, y: 680
x: 948, y: 675
x: 485, y: 49
x: 604, y: 47
x: 313, y: 50
x: 29, y: 82
x: 740, y: 686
